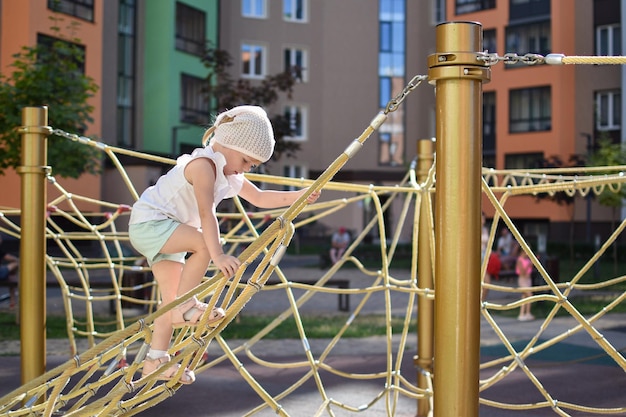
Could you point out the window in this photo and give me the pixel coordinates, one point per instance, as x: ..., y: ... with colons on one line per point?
x: 609, y: 40
x: 252, y: 60
x: 468, y: 6
x: 190, y: 29
x: 523, y: 10
x: 297, y: 117
x: 254, y: 8
x: 294, y: 171
x: 523, y: 160
x: 530, y: 110
x: 608, y: 110
x: 532, y: 38
x: 489, y: 41
x: 391, y: 72
x: 295, y: 10
x: 296, y: 61
x: 194, y: 108
x: 439, y: 11
x: 126, y: 72
x: 82, y: 9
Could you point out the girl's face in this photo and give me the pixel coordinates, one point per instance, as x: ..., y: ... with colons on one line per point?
x: 237, y: 162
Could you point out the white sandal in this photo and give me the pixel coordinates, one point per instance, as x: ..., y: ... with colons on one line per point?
x: 151, y: 365
x: 178, y: 313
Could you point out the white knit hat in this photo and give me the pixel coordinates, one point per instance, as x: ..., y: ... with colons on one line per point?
x: 246, y: 129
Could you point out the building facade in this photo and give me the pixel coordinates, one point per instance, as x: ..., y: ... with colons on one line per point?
x: 534, y: 113
x: 355, y: 55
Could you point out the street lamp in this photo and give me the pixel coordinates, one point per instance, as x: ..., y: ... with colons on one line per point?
x: 589, y: 152
x: 590, y: 146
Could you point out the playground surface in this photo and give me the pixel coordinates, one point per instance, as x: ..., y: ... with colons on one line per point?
x: 574, y: 370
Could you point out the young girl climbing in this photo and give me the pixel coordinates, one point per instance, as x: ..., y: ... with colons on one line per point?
x: 174, y: 223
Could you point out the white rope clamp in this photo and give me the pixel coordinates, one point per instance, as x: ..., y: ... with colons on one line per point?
x: 554, y: 59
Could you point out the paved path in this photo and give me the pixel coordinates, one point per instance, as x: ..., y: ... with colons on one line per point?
x: 221, y: 391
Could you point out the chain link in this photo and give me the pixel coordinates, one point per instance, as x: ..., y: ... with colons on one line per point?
x: 512, y: 58
x: 74, y: 137
x: 395, y: 102
x: 64, y: 134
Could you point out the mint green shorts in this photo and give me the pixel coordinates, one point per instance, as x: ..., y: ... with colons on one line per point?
x: 149, y: 237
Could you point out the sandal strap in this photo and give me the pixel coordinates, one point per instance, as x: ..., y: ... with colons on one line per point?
x: 193, y: 302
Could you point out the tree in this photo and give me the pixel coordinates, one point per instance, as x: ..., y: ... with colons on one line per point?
x: 226, y: 92
x: 561, y: 198
x: 610, y: 154
x: 49, y: 74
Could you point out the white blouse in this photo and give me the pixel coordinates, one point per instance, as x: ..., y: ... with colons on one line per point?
x: 173, y: 196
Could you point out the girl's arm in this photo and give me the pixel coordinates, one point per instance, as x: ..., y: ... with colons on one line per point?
x: 272, y: 198
x: 201, y: 174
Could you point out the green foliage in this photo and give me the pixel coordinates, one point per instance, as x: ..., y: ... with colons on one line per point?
x: 609, y: 154
x: 52, y: 76
x: 561, y: 198
x: 227, y: 92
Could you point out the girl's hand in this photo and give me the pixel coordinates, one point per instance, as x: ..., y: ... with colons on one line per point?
x: 227, y: 264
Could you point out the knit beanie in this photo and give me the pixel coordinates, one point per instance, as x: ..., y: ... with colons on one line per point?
x: 246, y: 129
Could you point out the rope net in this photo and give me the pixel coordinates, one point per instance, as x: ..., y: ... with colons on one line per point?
x: 105, y: 378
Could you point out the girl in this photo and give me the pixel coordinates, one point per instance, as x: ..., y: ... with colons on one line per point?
x: 177, y: 217
x: 524, y: 269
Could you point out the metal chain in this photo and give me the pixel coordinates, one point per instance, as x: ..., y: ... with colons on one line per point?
x: 64, y: 134
x: 395, y: 102
x: 512, y: 58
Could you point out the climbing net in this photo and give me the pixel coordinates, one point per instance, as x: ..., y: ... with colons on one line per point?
x: 105, y: 378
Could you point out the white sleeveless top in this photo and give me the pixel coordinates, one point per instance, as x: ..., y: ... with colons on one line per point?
x: 172, y: 197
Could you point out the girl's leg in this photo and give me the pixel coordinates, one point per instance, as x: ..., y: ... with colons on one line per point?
x: 528, y: 294
x: 485, y: 291
x: 190, y: 240
x: 167, y: 275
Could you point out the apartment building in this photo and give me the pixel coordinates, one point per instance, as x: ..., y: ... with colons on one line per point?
x: 355, y: 56
x: 23, y: 23
x: 532, y: 113
x: 144, y: 56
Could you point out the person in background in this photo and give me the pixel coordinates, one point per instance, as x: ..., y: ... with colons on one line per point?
x: 524, y: 269
x: 484, y: 241
x: 507, y: 248
x: 338, y: 244
x: 505, y: 242
x: 8, y: 268
x: 174, y: 224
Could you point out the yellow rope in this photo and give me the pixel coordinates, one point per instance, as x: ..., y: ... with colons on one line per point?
x: 107, y: 373
x: 594, y: 60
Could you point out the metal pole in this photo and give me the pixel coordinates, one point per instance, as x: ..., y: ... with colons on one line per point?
x: 458, y: 76
x: 32, y: 283
x: 425, y: 306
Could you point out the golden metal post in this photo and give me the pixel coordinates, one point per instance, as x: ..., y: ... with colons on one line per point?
x: 425, y: 307
x: 458, y: 76
x: 32, y: 283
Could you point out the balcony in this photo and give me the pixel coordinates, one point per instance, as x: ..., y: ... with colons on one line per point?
x: 469, y: 6
x: 527, y: 10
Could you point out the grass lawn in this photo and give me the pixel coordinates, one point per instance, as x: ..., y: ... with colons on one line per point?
x: 363, y: 326
x: 248, y: 326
